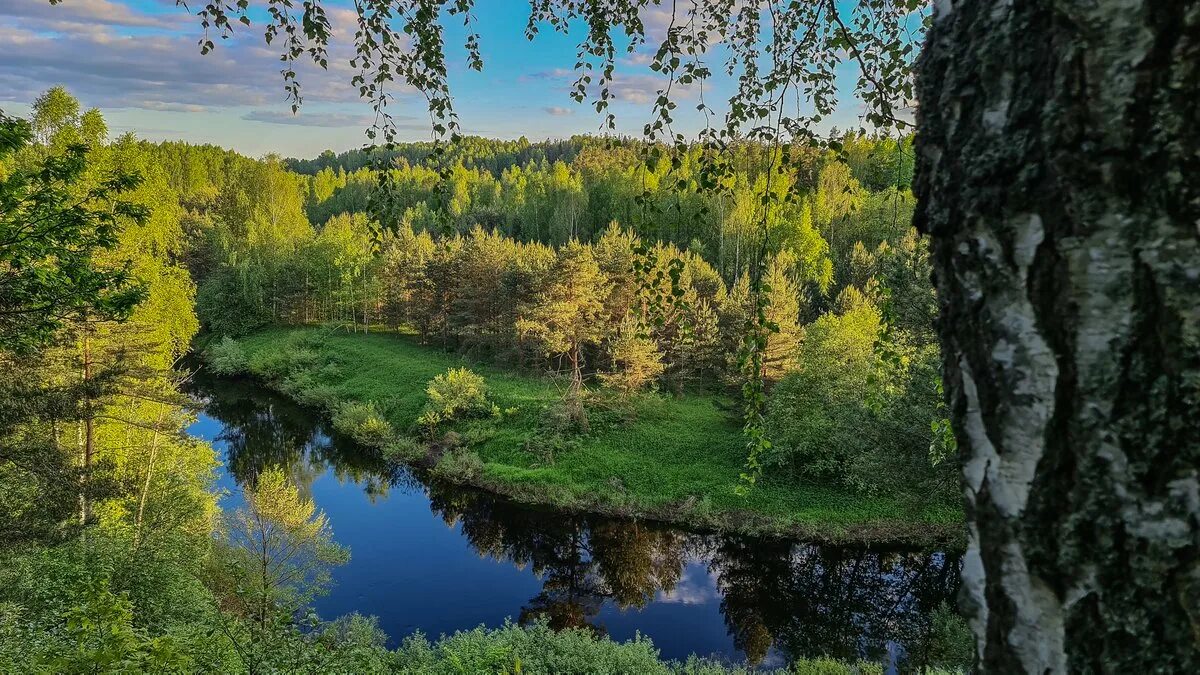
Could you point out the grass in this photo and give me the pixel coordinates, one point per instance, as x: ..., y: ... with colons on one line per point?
x: 671, y: 459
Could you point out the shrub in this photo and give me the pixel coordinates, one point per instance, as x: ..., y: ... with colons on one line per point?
x: 306, y: 390
x: 952, y: 645
x: 403, y: 449
x: 363, y: 423
x: 226, y: 357
x: 275, y: 366
x: 536, y: 649
x: 459, y: 466
x: 456, y: 394
x: 816, y: 417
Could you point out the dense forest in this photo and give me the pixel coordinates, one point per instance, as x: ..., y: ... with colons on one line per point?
x: 576, y: 259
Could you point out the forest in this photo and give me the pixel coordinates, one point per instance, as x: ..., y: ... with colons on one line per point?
x: 552, y: 309
x: 724, y: 336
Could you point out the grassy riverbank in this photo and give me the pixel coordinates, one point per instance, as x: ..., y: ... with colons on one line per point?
x: 672, y: 459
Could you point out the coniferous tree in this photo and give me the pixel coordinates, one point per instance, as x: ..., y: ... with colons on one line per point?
x: 569, y: 316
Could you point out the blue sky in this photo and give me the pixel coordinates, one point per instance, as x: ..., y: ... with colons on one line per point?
x: 138, y: 61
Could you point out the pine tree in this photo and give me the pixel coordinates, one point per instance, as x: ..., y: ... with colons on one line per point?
x: 635, y: 360
x: 569, y: 315
x: 783, y: 313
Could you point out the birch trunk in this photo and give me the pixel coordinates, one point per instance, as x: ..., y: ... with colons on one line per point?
x: 1059, y: 178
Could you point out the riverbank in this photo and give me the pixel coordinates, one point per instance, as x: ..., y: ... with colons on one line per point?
x: 662, y: 458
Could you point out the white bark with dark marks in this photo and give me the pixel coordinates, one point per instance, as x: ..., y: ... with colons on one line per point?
x: 1058, y: 174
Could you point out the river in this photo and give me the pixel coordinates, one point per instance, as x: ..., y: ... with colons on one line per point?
x: 436, y: 558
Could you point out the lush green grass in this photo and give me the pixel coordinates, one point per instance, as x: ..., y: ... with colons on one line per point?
x: 675, y: 459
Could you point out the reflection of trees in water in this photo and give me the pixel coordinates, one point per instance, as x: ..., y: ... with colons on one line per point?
x: 582, y: 561
x: 809, y: 600
x: 800, y: 599
x: 261, y: 429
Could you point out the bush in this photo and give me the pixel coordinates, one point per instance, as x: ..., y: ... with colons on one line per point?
x: 278, y: 365
x: 403, y: 449
x: 456, y: 394
x: 536, y: 649
x: 363, y: 423
x: 226, y: 357
x: 816, y: 417
x: 459, y: 466
x: 858, y: 410
x: 952, y: 645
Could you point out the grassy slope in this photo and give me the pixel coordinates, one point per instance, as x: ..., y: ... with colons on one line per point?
x: 679, y: 461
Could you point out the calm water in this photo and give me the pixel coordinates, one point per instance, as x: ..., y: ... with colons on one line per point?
x: 436, y: 558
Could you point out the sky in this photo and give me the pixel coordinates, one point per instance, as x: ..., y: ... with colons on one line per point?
x: 139, y: 62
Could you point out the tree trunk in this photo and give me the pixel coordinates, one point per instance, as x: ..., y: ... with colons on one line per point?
x: 89, y: 427
x: 141, y: 510
x: 576, y: 392
x: 1057, y: 164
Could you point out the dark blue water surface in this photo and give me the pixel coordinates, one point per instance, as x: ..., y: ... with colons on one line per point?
x: 434, y: 558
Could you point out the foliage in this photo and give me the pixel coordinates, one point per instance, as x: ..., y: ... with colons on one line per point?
x: 459, y: 465
x: 51, y: 234
x: 664, y: 433
x: 403, y: 449
x: 952, y: 645
x: 226, y: 357
x: 363, y: 423
x: 636, y: 362
x: 456, y: 394
x: 817, y: 418
x: 279, y: 551
x: 105, y: 639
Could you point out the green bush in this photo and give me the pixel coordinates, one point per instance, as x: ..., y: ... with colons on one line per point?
x: 363, y: 423
x: 404, y: 449
x: 456, y: 394
x: 952, y: 645
x: 532, y: 650
x: 276, y: 366
x: 816, y: 417
x: 858, y: 410
x: 459, y: 465
x: 226, y: 357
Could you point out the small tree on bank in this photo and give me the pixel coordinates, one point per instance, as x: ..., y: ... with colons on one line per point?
x: 569, y: 315
x: 636, y: 361
x: 282, y: 553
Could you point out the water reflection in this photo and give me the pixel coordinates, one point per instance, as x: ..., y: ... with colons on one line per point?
x: 762, y: 600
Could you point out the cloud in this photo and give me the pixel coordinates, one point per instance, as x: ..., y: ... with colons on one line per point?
x: 558, y: 111
x: 112, y: 55
x: 308, y: 119
x: 638, y: 58
x: 173, y: 107
x: 697, y: 587
x: 637, y: 89
x: 553, y: 74
x: 81, y: 13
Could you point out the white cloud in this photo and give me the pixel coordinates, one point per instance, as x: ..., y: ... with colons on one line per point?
x: 307, y: 119
x: 697, y: 587
x: 76, y: 14
x: 558, y: 111
x: 114, y: 56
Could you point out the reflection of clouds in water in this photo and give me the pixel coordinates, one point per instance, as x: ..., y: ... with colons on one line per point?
x: 697, y: 586
x: 774, y: 659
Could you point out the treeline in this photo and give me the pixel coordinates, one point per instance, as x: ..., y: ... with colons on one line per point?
x: 863, y: 198
x: 472, y: 152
